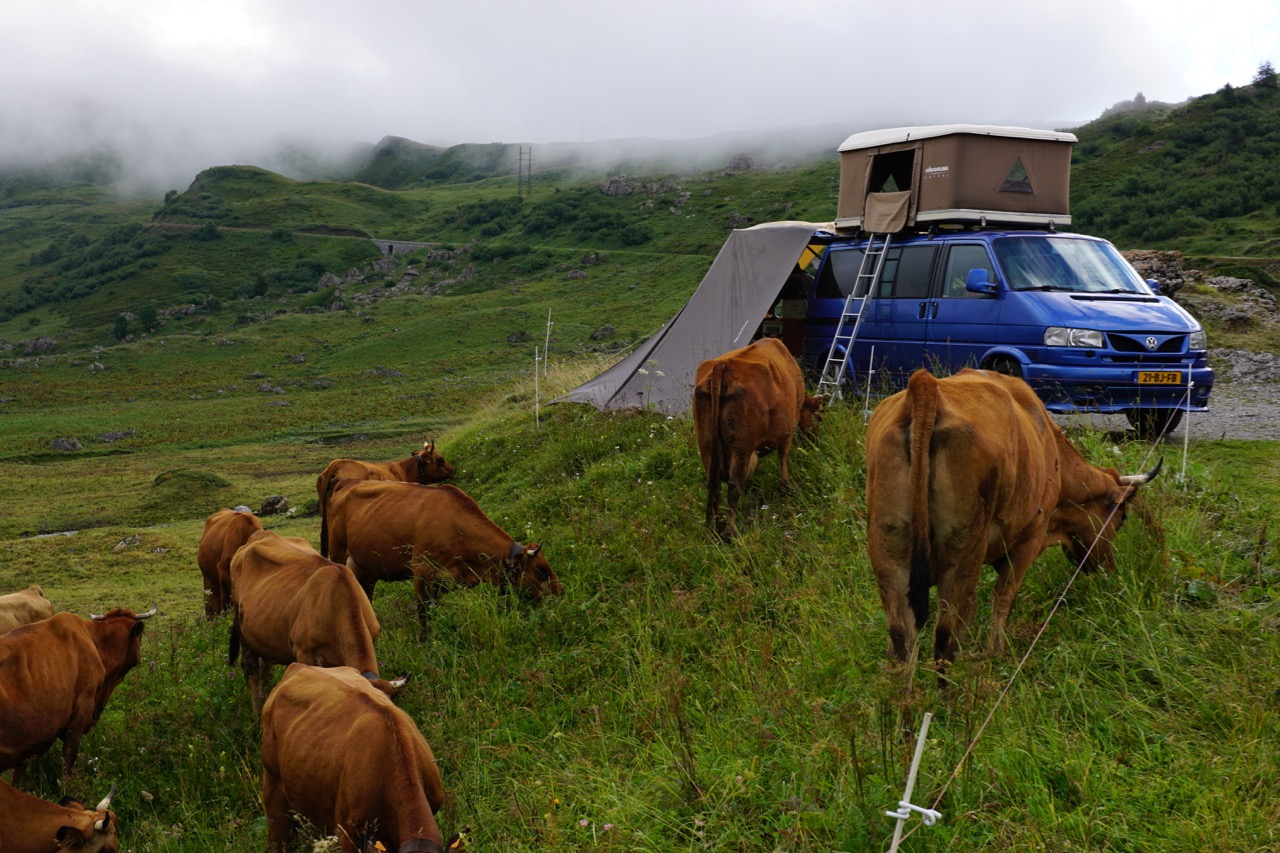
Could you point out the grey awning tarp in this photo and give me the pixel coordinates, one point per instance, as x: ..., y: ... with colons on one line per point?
x: 723, y: 313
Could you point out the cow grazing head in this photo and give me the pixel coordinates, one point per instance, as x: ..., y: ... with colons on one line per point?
x: 90, y: 830
x: 1088, y: 526
x: 527, y: 569
x: 431, y: 465
x: 811, y: 412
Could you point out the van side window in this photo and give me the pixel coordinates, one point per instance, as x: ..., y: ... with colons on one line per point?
x: 961, y: 259
x: 839, y: 274
x: 906, y: 273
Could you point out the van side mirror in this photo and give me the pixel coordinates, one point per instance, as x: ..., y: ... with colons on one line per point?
x: 1154, y: 285
x: 978, y: 281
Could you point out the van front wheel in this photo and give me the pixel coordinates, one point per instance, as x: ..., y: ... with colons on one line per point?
x: 1004, y: 365
x: 1152, y: 424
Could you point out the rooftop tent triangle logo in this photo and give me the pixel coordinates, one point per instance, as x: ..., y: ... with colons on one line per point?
x: 1017, y: 181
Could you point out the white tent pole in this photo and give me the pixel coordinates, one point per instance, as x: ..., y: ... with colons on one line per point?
x: 546, y: 346
x: 1186, y: 428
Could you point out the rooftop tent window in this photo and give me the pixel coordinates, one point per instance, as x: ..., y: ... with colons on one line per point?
x: 891, y: 172
x: 1017, y: 181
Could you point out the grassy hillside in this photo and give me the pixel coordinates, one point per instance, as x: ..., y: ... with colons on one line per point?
x: 684, y: 693
x: 243, y: 241
x: 1198, y: 178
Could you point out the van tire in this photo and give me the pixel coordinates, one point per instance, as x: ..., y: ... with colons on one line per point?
x: 1153, y: 424
x: 1005, y: 365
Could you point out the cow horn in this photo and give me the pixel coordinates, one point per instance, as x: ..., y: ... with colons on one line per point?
x: 1141, y: 479
x: 400, y: 682
x: 106, y: 801
x: 429, y: 445
x: 149, y: 613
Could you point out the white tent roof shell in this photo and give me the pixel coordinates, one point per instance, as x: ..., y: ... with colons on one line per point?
x: 894, y: 135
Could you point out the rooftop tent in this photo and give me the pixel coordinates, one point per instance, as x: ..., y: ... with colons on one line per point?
x: 738, y: 290
x: 965, y: 173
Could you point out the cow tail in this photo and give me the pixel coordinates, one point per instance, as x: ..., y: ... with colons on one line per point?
x: 324, y: 515
x: 233, y: 645
x: 922, y: 398
x: 719, y: 460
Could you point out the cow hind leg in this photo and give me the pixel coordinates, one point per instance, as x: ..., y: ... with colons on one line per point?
x: 902, y: 621
x: 280, y: 829
x: 713, y: 503
x: 957, y: 604
x: 729, y: 526
x: 254, y: 673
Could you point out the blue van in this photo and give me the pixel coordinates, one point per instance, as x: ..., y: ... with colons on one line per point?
x: 1065, y: 312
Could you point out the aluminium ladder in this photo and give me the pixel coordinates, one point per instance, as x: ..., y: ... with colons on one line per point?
x: 847, y: 328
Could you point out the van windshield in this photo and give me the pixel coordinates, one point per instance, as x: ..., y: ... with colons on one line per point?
x: 1066, y: 263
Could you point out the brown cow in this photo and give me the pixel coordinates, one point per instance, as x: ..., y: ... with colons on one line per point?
x: 224, y: 532
x: 423, y: 466
x: 22, y: 608
x: 56, y: 676
x: 294, y: 605
x: 337, y: 752
x: 32, y: 825
x: 746, y: 403
x: 971, y: 470
x: 436, y: 535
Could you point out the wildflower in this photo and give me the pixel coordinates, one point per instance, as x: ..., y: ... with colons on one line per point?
x: 584, y: 823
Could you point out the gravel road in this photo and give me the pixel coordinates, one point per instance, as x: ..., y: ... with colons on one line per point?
x: 1236, y: 410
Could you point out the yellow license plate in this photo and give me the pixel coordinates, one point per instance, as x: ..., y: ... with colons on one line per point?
x: 1159, y: 377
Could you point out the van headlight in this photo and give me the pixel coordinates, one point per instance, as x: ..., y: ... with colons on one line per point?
x: 1197, y: 340
x: 1057, y: 336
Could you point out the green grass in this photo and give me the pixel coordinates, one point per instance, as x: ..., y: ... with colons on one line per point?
x: 685, y: 693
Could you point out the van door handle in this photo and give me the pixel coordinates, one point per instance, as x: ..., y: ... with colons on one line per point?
x: 927, y: 310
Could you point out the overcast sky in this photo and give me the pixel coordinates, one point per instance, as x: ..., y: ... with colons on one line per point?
x: 187, y: 84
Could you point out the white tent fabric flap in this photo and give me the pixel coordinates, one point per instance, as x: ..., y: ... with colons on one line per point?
x: 723, y: 313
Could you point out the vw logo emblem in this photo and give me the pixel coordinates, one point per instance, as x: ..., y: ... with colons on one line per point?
x: 1151, y: 343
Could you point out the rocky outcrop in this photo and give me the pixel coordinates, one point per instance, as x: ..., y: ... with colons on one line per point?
x: 1164, y: 267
